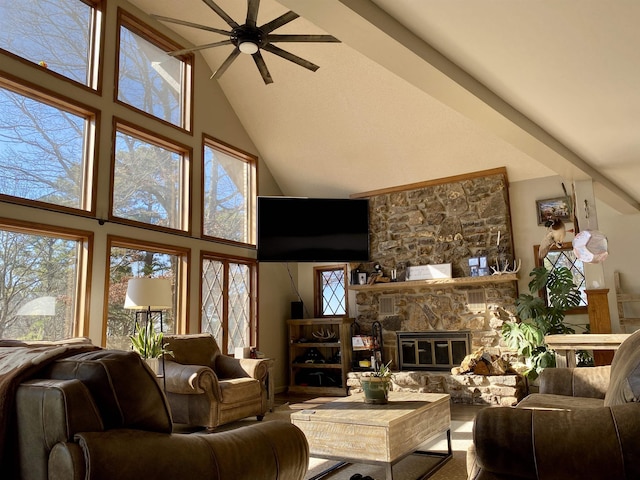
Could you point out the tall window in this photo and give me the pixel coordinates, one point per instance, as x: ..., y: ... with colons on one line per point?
x: 129, y: 258
x: 61, y: 36
x: 43, y: 284
x: 46, y: 148
x: 149, y: 79
x: 330, y: 291
x: 229, y: 191
x: 564, y: 257
x: 229, y: 301
x: 150, y: 180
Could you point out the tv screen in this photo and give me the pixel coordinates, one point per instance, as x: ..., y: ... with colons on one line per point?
x: 292, y: 229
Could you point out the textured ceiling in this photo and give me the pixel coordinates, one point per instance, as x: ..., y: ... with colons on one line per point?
x: 425, y: 89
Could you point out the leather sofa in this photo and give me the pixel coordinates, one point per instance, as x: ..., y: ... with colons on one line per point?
x: 102, y: 415
x: 206, y: 388
x: 584, y: 423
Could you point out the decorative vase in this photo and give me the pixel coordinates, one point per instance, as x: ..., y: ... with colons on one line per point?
x: 376, y: 389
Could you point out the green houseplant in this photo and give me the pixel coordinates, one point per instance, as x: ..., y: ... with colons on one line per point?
x: 535, y: 318
x: 376, y: 384
x: 149, y: 344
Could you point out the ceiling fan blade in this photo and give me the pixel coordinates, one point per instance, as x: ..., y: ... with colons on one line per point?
x: 291, y: 57
x: 221, y: 13
x: 302, y: 38
x: 222, y: 68
x: 278, y: 22
x: 252, y: 12
x: 264, y: 71
x: 189, y: 24
x: 199, y: 47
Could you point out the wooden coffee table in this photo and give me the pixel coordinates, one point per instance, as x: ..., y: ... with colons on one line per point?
x: 352, y: 431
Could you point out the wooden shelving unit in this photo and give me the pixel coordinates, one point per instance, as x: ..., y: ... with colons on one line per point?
x: 323, y: 378
x: 441, y: 282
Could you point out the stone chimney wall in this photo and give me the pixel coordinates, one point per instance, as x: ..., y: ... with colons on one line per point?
x: 441, y: 222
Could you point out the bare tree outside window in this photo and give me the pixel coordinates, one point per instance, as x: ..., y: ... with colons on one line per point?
x: 59, y: 35
x: 39, y: 285
x: 229, y: 193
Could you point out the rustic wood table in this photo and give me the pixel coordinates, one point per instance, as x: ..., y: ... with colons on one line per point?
x: 565, y: 346
x: 352, y: 431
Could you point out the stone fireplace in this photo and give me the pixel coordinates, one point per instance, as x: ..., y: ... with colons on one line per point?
x: 440, y: 222
x: 434, y: 350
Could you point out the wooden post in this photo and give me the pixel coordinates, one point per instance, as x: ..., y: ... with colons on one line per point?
x: 600, y: 321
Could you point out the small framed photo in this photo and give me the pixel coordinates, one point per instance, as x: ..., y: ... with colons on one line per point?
x: 553, y: 208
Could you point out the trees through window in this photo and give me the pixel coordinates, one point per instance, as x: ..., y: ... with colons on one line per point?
x: 330, y: 291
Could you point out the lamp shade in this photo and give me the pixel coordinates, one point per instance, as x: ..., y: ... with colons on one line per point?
x: 152, y: 293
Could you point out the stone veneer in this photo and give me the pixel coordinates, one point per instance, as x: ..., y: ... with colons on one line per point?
x: 504, y: 390
x: 446, y: 222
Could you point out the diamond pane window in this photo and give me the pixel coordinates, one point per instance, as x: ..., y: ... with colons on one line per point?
x: 331, y: 299
x: 564, y: 257
x: 149, y: 79
x: 43, y: 151
x: 59, y: 35
x: 148, y: 184
x: 229, y: 302
x: 228, y: 193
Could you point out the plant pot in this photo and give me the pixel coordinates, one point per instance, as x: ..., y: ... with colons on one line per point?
x: 376, y: 389
x: 154, y: 364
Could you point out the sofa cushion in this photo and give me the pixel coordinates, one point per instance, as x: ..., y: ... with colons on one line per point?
x: 239, y: 390
x: 624, y: 384
x: 124, y: 389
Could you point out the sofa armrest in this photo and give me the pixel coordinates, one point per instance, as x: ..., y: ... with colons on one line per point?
x: 230, y: 367
x: 591, y: 382
x: 66, y: 462
x: 537, y: 443
x: 277, y: 450
x: 191, y: 379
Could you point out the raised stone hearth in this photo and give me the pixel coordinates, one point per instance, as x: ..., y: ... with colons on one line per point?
x: 504, y: 390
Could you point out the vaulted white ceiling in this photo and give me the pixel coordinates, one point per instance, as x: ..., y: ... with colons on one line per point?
x: 425, y: 89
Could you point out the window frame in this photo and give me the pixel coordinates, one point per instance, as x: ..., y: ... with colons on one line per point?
x: 95, y: 51
x: 186, y: 176
x: 85, y: 240
x: 317, y: 290
x: 181, y: 313
x: 91, y: 140
x: 137, y: 26
x: 253, y: 307
x: 252, y: 162
x: 581, y: 310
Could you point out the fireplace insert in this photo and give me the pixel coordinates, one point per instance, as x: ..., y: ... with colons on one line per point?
x: 433, y: 350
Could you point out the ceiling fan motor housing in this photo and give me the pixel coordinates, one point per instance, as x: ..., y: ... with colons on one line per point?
x: 247, y: 34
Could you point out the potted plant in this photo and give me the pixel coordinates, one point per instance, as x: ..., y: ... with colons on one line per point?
x: 149, y: 344
x: 535, y: 318
x: 376, y: 384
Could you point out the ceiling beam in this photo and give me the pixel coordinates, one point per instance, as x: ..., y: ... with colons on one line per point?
x: 368, y: 29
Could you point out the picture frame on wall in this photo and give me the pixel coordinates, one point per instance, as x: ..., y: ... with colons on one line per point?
x: 549, y: 208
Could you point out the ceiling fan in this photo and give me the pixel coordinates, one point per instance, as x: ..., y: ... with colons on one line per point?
x: 250, y: 38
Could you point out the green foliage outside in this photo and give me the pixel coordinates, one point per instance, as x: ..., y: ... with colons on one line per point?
x: 535, y: 319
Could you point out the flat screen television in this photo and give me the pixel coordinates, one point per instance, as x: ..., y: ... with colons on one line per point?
x: 294, y: 229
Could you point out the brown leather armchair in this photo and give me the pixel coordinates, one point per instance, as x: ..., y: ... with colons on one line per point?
x: 101, y: 415
x: 206, y: 388
x: 584, y: 423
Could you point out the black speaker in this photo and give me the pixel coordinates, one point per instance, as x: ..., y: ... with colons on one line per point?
x: 297, y: 310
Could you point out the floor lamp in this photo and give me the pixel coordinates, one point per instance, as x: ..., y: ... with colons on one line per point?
x: 148, y: 296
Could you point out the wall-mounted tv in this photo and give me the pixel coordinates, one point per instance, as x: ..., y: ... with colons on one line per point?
x: 294, y: 229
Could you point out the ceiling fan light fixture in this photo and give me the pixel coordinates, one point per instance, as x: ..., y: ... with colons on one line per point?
x: 248, y: 47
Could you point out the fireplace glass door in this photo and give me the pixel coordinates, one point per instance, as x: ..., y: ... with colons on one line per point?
x: 433, y: 350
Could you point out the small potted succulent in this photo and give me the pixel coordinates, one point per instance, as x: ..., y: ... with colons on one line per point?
x: 376, y: 384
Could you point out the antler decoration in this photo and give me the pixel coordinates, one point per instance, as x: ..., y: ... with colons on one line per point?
x: 505, y: 269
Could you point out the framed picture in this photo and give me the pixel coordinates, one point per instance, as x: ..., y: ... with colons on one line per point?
x: 553, y: 208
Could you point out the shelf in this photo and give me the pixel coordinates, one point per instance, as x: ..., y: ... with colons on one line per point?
x: 316, y: 344
x: 440, y: 282
x: 317, y: 365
